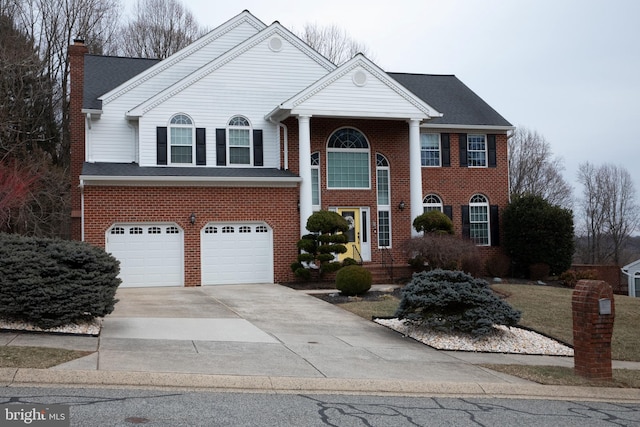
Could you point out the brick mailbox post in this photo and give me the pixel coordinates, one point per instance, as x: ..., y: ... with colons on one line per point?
x: 593, y: 314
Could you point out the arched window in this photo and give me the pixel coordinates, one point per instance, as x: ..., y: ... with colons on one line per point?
x: 479, y: 220
x: 181, y: 137
x: 348, y: 160
x: 239, y: 138
x: 383, y: 181
x: 315, y: 180
x: 432, y: 203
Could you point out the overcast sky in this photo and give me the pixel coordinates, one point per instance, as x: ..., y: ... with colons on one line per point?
x: 569, y: 69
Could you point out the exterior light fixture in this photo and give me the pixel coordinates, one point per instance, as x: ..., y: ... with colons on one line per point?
x: 401, y: 205
x: 192, y: 218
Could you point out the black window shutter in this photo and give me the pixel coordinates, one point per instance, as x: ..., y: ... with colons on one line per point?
x: 448, y: 211
x: 161, y: 146
x: 462, y: 141
x: 221, y: 147
x: 201, y: 146
x: 495, y: 225
x: 257, y: 148
x: 466, y: 223
x: 446, y: 149
x: 491, y: 145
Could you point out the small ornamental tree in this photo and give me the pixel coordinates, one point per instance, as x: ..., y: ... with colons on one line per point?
x: 433, y: 221
x: 318, y: 249
x: 536, y: 232
x: 453, y: 301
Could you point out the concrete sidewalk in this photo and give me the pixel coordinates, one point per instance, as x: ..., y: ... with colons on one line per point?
x: 271, y: 338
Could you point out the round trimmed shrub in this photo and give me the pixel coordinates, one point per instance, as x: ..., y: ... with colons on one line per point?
x: 353, y: 280
x: 53, y: 282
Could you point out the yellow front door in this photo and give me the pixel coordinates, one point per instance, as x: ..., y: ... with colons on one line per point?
x: 352, y: 215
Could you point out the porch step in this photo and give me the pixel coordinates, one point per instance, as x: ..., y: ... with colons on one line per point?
x: 380, y: 273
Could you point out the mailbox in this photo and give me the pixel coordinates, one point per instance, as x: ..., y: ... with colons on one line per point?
x: 604, y: 306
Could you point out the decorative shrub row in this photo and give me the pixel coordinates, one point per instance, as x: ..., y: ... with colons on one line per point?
x: 52, y: 282
x: 454, y: 301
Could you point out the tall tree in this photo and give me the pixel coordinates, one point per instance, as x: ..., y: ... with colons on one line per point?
x: 533, y: 170
x: 609, y: 209
x: 333, y: 42
x: 33, y: 190
x: 158, y: 29
x: 53, y: 24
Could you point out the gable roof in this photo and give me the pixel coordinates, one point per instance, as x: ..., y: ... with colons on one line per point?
x: 103, y: 73
x: 459, y: 104
x: 332, y: 87
x: 274, y: 29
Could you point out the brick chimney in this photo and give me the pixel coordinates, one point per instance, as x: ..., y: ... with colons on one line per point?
x: 76, y: 131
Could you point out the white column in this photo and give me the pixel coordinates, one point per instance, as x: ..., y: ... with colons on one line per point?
x: 304, y: 150
x: 415, y: 171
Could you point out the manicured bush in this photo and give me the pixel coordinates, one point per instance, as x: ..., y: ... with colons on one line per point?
x: 433, y: 222
x: 445, y: 251
x: 570, y: 278
x: 51, y: 282
x: 537, y: 232
x: 353, y: 280
x: 453, y: 301
x: 318, y: 249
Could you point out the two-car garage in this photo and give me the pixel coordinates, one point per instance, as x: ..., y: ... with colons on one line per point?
x: 152, y: 254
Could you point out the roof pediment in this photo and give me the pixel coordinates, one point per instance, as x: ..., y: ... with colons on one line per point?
x: 358, y: 88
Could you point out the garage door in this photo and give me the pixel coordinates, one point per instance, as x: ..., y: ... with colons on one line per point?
x: 150, y: 254
x: 236, y: 253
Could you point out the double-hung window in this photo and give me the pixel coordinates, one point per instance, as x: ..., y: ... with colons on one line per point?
x: 239, y: 135
x: 348, y: 160
x: 181, y: 131
x: 477, y: 150
x: 479, y: 220
x: 430, y: 149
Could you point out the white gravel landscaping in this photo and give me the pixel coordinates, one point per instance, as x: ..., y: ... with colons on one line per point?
x: 80, y: 328
x: 504, y: 340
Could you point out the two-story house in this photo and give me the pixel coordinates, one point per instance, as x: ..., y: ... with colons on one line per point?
x: 203, y: 168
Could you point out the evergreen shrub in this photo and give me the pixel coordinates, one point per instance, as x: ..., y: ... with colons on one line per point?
x: 52, y: 282
x: 353, y: 280
x: 433, y: 221
x: 453, y: 301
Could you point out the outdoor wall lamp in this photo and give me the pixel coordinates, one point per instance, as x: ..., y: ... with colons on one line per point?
x: 192, y: 218
x: 401, y: 205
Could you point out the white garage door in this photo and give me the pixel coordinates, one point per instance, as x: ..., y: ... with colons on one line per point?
x: 236, y: 253
x: 149, y: 254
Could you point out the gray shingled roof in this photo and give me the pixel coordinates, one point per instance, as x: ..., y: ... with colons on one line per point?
x: 103, y: 73
x: 459, y: 104
x: 134, y: 170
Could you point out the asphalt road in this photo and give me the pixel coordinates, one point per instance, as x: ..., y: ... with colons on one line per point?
x: 129, y: 407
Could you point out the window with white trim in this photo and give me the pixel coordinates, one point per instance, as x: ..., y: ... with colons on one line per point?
x: 477, y: 150
x: 431, y: 202
x: 479, y: 220
x: 348, y: 160
x: 239, y: 141
x: 181, y: 139
x: 383, y: 184
x: 430, y: 149
x: 315, y: 180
